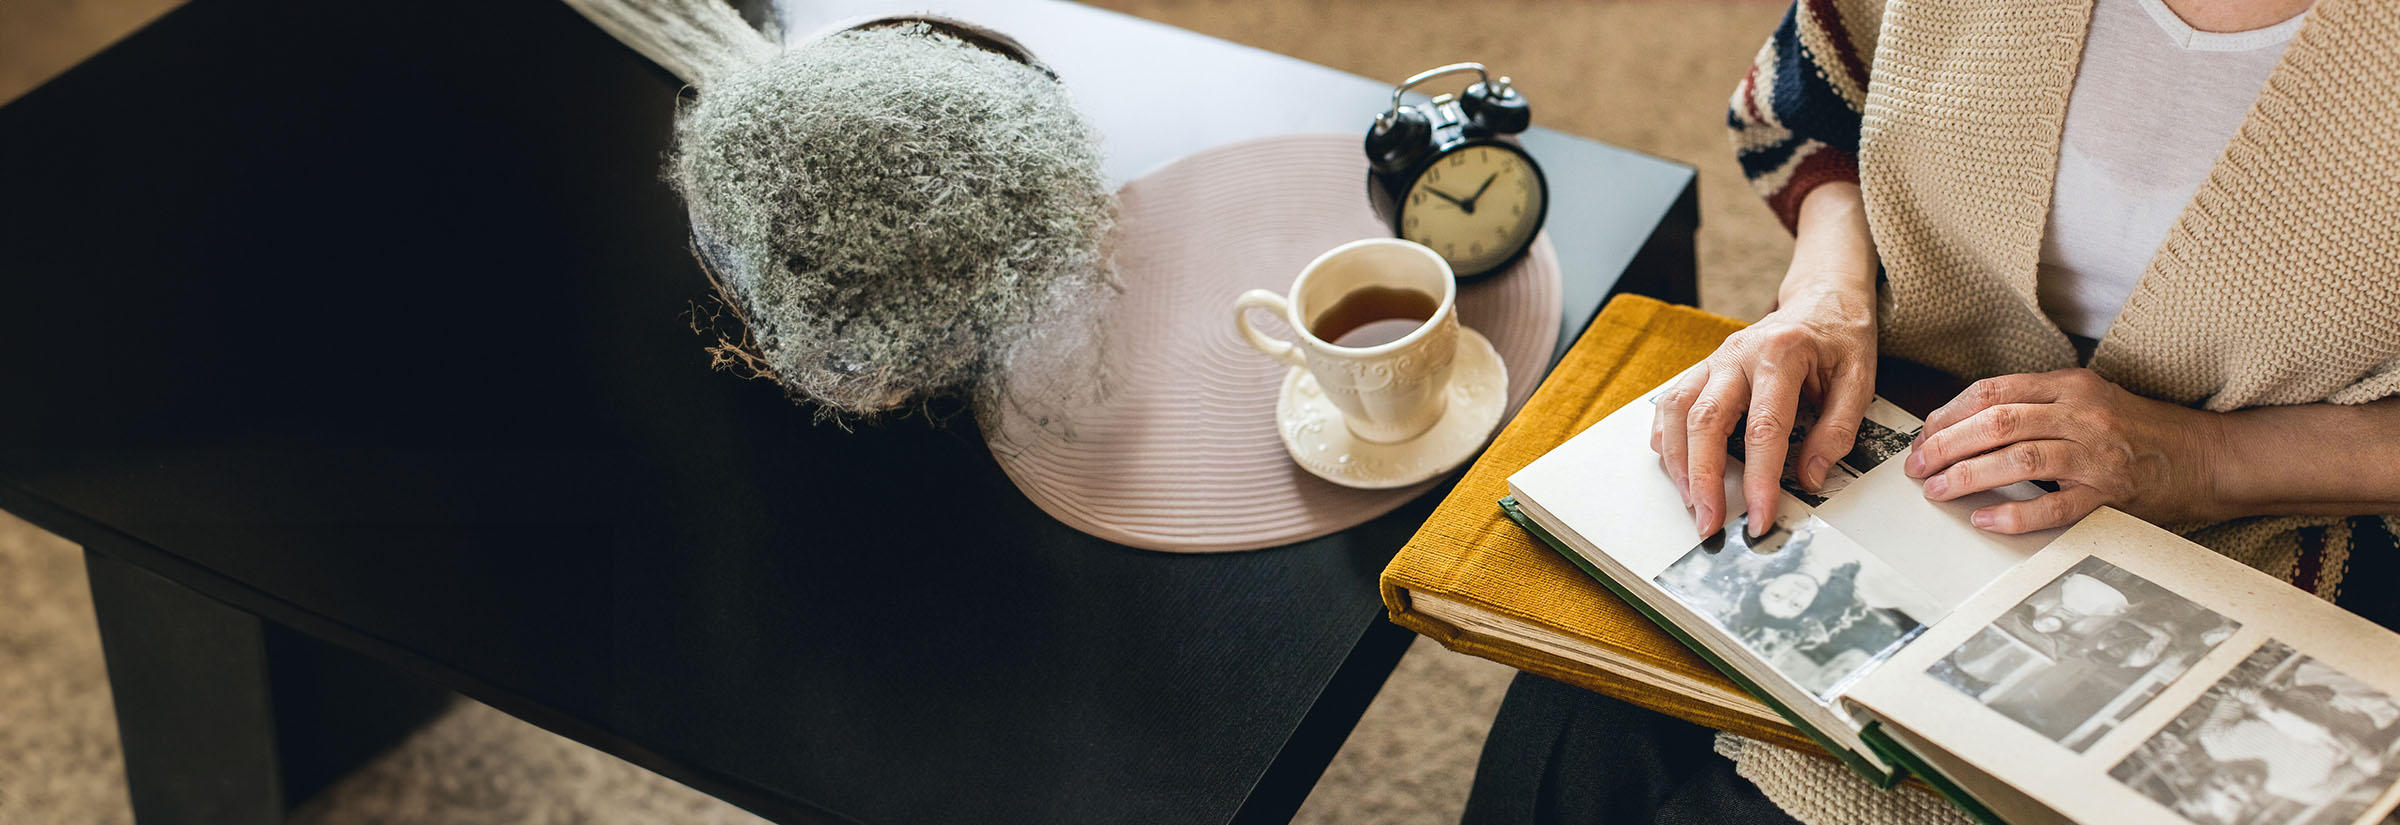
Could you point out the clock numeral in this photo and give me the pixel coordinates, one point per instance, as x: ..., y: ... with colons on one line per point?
x: 1449, y: 250
x: 1517, y: 210
x: 1501, y: 231
x: 1412, y: 221
x: 1458, y: 159
x: 1435, y: 175
x: 1417, y: 199
x: 1476, y: 249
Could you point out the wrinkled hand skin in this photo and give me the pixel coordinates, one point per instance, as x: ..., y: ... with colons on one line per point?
x: 2102, y: 446
x: 1820, y: 347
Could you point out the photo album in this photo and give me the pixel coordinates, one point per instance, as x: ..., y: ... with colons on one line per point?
x: 2109, y: 671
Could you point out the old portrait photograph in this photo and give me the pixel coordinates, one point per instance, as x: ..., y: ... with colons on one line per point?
x: 2283, y: 738
x: 2091, y: 647
x: 1875, y: 444
x: 1807, y: 417
x: 1807, y: 601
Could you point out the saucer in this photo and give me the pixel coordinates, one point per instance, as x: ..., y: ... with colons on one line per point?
x: 1320, y: 443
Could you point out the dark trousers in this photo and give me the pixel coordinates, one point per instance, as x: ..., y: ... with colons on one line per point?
x: 1562, y: 755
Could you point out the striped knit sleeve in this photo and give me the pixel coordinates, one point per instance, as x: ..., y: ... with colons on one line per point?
x: 1795, y: 115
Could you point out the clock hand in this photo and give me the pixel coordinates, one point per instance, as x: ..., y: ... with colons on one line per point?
x: 1467, y: 204
x: 1471, y: 199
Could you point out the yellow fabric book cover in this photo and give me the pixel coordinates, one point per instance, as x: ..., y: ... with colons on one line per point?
x: 1470, y: 570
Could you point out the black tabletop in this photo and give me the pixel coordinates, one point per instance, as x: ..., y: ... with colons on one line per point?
x: 369, y: 318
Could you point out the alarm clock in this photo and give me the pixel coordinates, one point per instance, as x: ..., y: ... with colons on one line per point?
x: 1450, y: 174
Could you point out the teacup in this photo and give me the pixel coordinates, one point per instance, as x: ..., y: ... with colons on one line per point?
x: 1378, y: 327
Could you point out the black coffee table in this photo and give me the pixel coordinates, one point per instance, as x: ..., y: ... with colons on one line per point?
x: 347, y: 340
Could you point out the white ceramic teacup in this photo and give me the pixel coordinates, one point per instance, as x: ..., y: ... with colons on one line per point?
x: 1389, y: 392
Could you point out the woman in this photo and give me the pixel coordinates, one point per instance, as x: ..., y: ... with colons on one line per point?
x: 2164, y: 235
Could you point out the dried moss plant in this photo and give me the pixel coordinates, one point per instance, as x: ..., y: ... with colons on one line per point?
x: 896, y: 214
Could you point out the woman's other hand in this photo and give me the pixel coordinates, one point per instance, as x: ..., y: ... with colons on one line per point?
x: 1818, y: 345
x: 2101, y: 444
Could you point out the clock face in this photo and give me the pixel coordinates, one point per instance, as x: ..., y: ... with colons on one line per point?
x: 1477, y: 206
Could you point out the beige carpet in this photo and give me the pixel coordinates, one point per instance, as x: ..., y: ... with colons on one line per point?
x: 1649, y: 75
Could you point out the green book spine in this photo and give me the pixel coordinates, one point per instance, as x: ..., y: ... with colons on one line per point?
x: 1860, y: 764
x: 1897, y: 754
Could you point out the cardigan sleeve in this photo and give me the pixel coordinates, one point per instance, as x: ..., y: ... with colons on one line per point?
x: 1795, y: 115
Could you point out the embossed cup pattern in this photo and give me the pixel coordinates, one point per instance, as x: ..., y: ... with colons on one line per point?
x: 1392, y: 396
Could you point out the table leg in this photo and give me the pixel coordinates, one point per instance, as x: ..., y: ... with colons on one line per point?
x: 191, y: 685
x: 228, y: 718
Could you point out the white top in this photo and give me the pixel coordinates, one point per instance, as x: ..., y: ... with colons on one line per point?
x: 2154, y: 104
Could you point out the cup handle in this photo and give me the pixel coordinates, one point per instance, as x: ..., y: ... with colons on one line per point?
x: 1277, y: 349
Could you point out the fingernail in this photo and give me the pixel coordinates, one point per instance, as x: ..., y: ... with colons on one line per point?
x: 1937, y: 486
x: 1703, y: 523
x: 1816, y: 471
x: 1983, y: 519
x: 1915, y: 465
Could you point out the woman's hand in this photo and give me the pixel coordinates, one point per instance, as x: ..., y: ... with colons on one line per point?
x: 2101, y: 444
x: 1818, y: 344
x: 1822, y: 349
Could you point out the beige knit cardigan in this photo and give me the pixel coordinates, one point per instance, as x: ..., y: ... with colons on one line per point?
x: 2279, y: 284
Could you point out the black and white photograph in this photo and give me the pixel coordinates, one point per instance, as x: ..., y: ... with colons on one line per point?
x: 1875, y: 445
x: 2081, y: 654
x: 2283, y: 738
x: 1807, y: 601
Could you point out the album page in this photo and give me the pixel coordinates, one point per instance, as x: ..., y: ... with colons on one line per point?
x: 1847, y: 576
x: 1616, y: 509
x: 1779, y: 664
x: 2124, y: 674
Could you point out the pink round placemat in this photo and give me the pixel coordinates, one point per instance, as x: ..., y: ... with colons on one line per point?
x: 1183, y: 456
